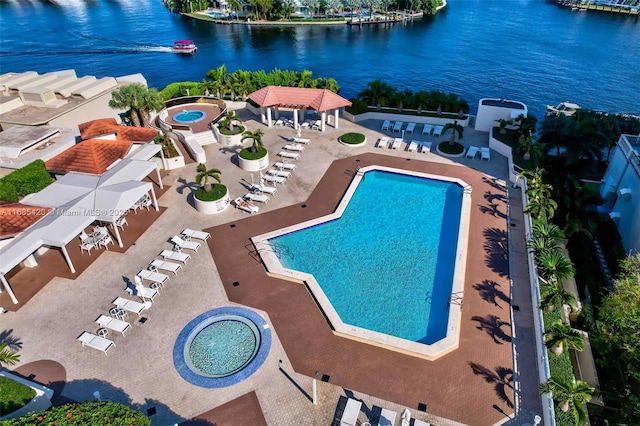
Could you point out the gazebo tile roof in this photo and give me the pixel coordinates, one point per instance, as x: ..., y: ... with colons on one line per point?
x: 298, y: 98
x: 99, y: 127
x: 135, y: 134
x: 17, y: 217
x: 92, y: 156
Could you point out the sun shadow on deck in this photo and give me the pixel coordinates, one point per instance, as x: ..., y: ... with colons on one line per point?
x: 492, y: 324
x: 497, y: 250
x: 500, y: 377
x: 489, y: 292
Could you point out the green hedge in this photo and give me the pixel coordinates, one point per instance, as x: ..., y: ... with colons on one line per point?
x: 248, y: 155
x: 180, y: 89
x: 357, y: 107
x: 14, y: 395
x: 103, y: 413
x: 29, y: 179
x: 352, y: 138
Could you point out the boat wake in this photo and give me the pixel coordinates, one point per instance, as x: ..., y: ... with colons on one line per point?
x: 112, y: 51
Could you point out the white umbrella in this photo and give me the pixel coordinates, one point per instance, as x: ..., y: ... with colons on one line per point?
x: 406, y: 417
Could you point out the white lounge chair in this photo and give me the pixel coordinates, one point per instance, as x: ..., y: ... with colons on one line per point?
x: 410, y: 127
x: 317, y: 125
x: 425, y: 147
x: 175, y: 255
x: 282, y: 165
x: 413, y: 146
x: 165, y: 266
x: 146, y: 293
x: 300, y: 140
x: 398, y: 126
x: 279, y: 122
x: 199, y: 235
x: 351, y: 412
x: 417, y: 422
x: 485, y: 153
x: 386, y: 124
x: 472, y: 152
x: 261, y: 187
x: 272, y: 178
x: 96, y: 342
x: 130, y: 305
x: 294, y: 147
x: 437, y: 130
x: 383, y: 142
x: 154, y: 277
x: 245, y: 205
x: 282, y: 173
x: 427, y: 129
x: 291, y: 155
x: 113, y: 324
x: 260, y: 198
x: 181, y: 244
x: 396, y: 143
x: 387, y: 418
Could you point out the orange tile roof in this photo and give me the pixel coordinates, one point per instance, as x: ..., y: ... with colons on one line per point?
x: 298, y: 98
x: 91, y: 156
x: 99, y: 127
x: 17, y: 217
x: 136, y: 134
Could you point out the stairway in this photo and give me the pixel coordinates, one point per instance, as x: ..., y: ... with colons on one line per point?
x: 205, y: 138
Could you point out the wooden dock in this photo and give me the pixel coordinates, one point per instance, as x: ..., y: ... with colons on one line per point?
x: 610, y: 7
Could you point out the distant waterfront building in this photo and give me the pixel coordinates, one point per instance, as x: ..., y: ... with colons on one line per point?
x: 620, y: 189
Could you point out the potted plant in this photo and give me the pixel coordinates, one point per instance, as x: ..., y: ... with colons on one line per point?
x: 452, y: 148
x: 172, y: 158
x: 229, y: 130
x: 255, y: 157
x: 502, y: 123
x: 210, y: 198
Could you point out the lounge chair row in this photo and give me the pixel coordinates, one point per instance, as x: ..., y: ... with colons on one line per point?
x: 395, y: 143
x: 307, y: 124
x: 387, y: 417
x: 485, y: 152
x: 277, y: 174
x: 428, y: 129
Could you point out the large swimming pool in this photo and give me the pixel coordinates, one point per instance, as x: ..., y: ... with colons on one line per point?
x: 387, y: 261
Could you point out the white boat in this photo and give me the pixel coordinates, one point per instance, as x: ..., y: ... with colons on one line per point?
x: 565, y: 108
x: 186, y: 47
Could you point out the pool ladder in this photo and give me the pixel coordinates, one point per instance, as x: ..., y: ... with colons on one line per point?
x: 278, y: 250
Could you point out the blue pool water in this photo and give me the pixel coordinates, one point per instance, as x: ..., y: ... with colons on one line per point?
x: 191, y: 116
x: 387, y: 264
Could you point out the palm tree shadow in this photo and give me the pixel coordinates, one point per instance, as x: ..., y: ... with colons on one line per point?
x: 489, y: 291
x: 492, y: 324
x: 491, y: 197
x: 493, y: 183
x: 500, y: 377
x: 492, y: 209
x: 13, y: 343
x: 191, y: 186
x: 497, y: 251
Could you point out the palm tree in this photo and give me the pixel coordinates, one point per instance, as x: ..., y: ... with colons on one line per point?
x: 529, y: 148
x: 546, y: 237
x: 204, y: 174
x: 570, y: 395
x: 256, y: 136
x: 455, y: 128
x: 7, y: 356
x: 229, y: 120
x: 554, y: 295
x: 560, y: 332
x: 138, y: 99
x: 555, y: 267
x: 541, y: 206
x: 235, y: 6
x: 377, y: 92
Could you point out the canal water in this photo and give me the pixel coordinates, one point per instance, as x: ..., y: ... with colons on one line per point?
x: 528, y: 50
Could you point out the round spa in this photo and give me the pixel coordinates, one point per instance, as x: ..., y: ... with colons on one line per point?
x: 222, y: 347
x: 189, y: 116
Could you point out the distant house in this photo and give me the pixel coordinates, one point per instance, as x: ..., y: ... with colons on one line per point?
x: 620, y: 189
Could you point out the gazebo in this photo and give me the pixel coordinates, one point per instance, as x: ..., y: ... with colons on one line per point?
x: 272, y: 99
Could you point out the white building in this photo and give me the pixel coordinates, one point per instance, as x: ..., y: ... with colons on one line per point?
x: 620, y: 189
x: 490, y: 110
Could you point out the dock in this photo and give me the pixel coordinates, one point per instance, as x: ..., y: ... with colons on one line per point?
x: 624, y: 7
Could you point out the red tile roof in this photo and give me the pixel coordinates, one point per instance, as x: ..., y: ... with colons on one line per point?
x: 99, y: 127
x: 92, y: 156
x: 298, y: 98
x: 17, y: 217
x: 136, y: 134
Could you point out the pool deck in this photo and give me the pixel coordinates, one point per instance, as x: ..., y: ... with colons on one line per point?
x: 472, y: 385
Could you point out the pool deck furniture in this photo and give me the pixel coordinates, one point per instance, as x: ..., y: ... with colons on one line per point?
x: 279, y: 122
x: 174, y: 255
x: 146, y: 293
x: 245, y: 205
x: 417, y: 422
x: 113, y: 324
x: 386, y: 124
x: 472, y: 152
x: 181, y: 244
x: 272, y: 178
x: 350, y: 413
x: 437, y: 130
x: 301, y: 140
x: 410, y: 127
x: 387, y: 417
x: 130, y: 305
x: 413, y: 146
x: 283, y: 165
x: 294, y: 147
x: 383, y: 142
x: 143, y: 202
x: 398, y: 126
x: 264, y: 189
x: 291, y: 155
x: 260, y: 198
x: 425, y: 147
x: 96, y: 342
x: 427, y: 129
x: 154, y: 277
x: 277, y: 172
x: 485, y: 153
x: 396, y: 143
x: 199, y: 235
x: 165, y: 266
x: 317, y: 125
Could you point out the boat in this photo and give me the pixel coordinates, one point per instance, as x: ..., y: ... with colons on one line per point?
x: 186, y: 47
x: 565, y: 108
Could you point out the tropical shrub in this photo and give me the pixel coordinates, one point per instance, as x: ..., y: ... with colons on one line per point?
x: 380, y: 93
x: 8, y: 192
x: 168, y: 148
x: 14, y: 395
x: 352, y: 138
x: 29, y: 179
x: 357, y: 106
x: 184, y: 88
x: 105, y: 413
x: 247, y: 154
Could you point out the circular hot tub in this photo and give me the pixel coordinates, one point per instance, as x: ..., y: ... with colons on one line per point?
x: 189, y: 116
x: 222, y: 347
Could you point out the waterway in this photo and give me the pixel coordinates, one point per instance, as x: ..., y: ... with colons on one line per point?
x: 527, y: 50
